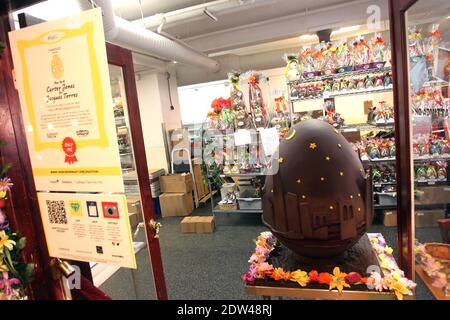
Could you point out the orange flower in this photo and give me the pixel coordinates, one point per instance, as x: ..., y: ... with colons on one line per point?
x: 313, y: 276
x: 280, y: 274
x: 325, y: 278
x: 338, y: 280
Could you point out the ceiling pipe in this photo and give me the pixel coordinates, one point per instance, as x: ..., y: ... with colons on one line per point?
x: 182, y: 14
x: 132, y: 36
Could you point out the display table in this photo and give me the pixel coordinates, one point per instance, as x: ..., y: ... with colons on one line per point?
x: 275, y: 271
x: 266, y: 292
x: 437, y: 293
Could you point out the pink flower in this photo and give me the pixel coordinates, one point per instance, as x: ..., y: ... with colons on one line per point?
x: 376, y: 282
x: 6, y: 283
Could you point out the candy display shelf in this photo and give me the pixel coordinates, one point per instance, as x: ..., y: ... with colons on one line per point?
x: 342, y: 75
x: 344, y: 93
x: 445, y: 157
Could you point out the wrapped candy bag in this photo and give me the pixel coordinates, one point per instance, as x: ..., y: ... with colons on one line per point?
x: 307, y: 59
x: 241, y: 117
x: 257, y: 108
x: 280, y: 116
x: 329, y: 58
x: 361, y: 53
x: 378, y: 51
x: 293, y: 67
x: 344, y: 58
x: 431, y: 46
x: 415, y: 43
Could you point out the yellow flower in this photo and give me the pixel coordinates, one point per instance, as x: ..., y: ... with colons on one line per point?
x: 2, y: 194
x: 374, y: 240
x: 399, y: 289
x: 388, y: 250
x: 3, y: 267
x: 338, y: 280
x: 5, y: 242
x: 301, y: 277
x: 382, y: 256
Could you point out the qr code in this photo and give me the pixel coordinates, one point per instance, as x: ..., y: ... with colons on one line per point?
x: 57, y: 212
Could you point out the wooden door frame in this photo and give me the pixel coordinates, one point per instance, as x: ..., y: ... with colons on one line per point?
x: 23, y: 209
x: 123, y: 58
x: 403, y: 131
x: 25, y: 215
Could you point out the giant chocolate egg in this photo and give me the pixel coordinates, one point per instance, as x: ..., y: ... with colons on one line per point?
x: 319, y: 203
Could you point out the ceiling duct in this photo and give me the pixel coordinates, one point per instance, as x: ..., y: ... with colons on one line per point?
x: 132, y: 36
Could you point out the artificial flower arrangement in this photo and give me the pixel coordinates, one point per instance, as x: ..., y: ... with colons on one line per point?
x: 14, y: 274
x: 220, y: 117
x: 394, y: 279
x: 432, y: 267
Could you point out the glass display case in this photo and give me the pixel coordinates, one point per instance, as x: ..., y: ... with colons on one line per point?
x: 428, y: 52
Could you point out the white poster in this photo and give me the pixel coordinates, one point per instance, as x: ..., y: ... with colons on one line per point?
x: 64, y: 86
x: 87, y: 227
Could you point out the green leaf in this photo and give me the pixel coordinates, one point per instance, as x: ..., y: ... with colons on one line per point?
x: 9, y: 261
x: 21, y: 243
x: 4, y: 168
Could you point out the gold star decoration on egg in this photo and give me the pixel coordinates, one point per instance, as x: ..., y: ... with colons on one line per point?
x: 339, y: 145
x: 322, y: 179
x: 303, y: 197
x: 327, y: 158
x: 312, y: 145
x: 299, y: 181
x: 341, y: 173
x: 280, y: 160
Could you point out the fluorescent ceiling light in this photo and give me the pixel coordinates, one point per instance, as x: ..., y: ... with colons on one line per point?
x: 307, y: 36
x: 52, y: 9
x: 346, y: 29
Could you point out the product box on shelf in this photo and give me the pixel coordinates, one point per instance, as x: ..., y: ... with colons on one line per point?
x: 433, y: 195
x: 197, y: 224
x: 176, y: 204
x: 176, y: 183
x: 390, y: 218
x: 250, y: 203
x: 427, y: 218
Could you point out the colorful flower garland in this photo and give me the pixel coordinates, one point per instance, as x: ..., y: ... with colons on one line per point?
x: 394, y: 279
x: 14, y: 274
x: 433, y: 268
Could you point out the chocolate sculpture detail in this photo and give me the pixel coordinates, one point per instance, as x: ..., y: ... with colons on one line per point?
x: 320, y: 202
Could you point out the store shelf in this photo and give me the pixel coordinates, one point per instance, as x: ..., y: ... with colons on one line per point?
x: 425, y: 183
x: 366, y: 126
x: 445, y: 157
x: 125, y: 153
x: 218, y: 210
x: 381, y: 184
x: 241, y: 175
x: 343, y: 75
x: 343, y: 94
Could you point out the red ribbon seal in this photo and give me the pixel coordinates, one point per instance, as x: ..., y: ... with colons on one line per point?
x: 69, y: 147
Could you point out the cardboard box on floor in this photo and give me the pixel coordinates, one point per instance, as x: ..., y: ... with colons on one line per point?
x: 176, y: 183
x: 390, y: 218
x: 134, y: 210
x: 197, y: 224
x: 176, y: 204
